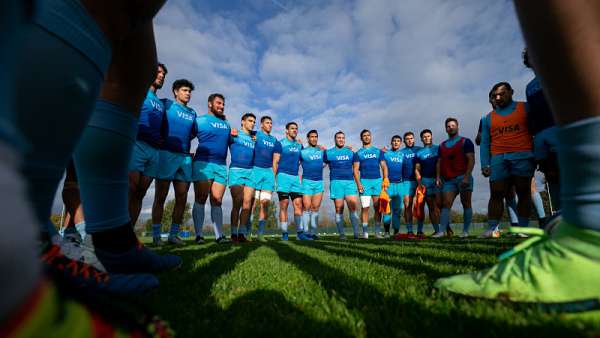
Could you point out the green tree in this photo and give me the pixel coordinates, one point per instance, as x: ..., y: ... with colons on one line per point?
x: 271, y: 216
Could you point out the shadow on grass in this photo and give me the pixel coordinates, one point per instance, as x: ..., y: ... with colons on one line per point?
x: 429, y: 257
x: 266, y: 313
x: 455, y: 246
x: 397, y: 262
x: 410, y: 315
x: 184, y: 299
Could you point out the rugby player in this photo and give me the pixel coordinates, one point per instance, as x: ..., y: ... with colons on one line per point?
x: 144, y: 160
x: 311, y: 159
x: 409, y: 182
x: 209, y: 171
x: 289, y: 186
x: 267, y: 151
x: 175, y: 164
x: 394, y: 159
x: 454, y: 175
x: 66, y: 47
x: 342, y: 186
x: 425, y: 173
x: 544, y: 130
x: 241, y: 148
x: 368, y: 161
x: 565, y: 266
x: 507, y: 156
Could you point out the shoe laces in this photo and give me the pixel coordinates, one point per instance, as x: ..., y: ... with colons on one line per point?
x: 537, y: 236
x: 57, y: 259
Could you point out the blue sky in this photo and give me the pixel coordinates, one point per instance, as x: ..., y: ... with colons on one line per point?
x: 387, y: 65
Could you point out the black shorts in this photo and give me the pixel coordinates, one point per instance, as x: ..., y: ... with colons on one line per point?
x: 290, y: 195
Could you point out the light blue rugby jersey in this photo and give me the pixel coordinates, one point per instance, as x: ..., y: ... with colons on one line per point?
x: 151, y: 119
x: 289, y: 162
x: 394, y: 160
x: 213, y: 139
x: 242, y: 151
x: 264, y: 148
x: 369, y: 159
x: 340, y: 161
x: 179, y: 127
x: 312, y: 163
x: 427, y: 158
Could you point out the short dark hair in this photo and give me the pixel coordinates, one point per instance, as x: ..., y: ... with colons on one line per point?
x: 425, y: 131
x: 336, y: 134
x: 266, y: 117
x: 500, y: 84
x: 287, y: 125
x: 409, y: 133
x: 182, y: 83
x: 312, y: 131
x: 450, y: 119
x: 212, y: 97
x: 363, y: 132
x: 162, y: 65
x: 247, y: 115
x: 396, y: 137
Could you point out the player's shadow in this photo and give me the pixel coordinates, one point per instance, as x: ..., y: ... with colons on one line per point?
x: 407, y: 265
x: 456, y: 246
x: 407, y: 261
x: 185, y: 301
x: 266, y: 313
x: 406, y: 315
x: 184, y: 297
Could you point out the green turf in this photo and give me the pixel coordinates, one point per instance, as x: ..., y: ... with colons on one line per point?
x: 332, y: 288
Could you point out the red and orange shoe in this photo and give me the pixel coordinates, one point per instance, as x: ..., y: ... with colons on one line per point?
x: 84, y: 276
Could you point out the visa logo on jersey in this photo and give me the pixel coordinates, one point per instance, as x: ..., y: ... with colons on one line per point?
x: 409, y: 155
x: 508, y: 129
x: 157, y: 106
x: 185, y: 116
x: 396, y: 159
x: 314, y: 157
x: 268, y: 144
x: 219, y: 125
x: 367, y: 156
x: 293, y: 149
x: 342, y: 158
x: 247, y: 144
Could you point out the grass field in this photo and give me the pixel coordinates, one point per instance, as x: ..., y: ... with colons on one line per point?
x: 332, y: 288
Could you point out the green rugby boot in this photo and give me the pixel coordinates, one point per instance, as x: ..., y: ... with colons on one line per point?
x: 559, y: 272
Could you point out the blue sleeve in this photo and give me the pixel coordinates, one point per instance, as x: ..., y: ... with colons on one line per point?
x: 325, y: 160
x: 167, y: 103
x: 355, y: 158
x: 277, y: 148
x: 194, y: 131
x: 484, y: 149
x: 381, y: 155
x: 468, y: 146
